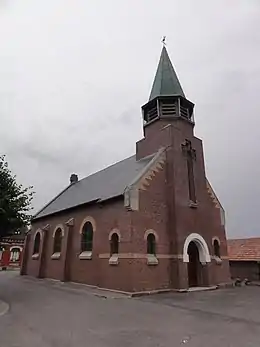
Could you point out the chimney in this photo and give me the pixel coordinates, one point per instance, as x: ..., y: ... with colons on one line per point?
x: 73, y: 178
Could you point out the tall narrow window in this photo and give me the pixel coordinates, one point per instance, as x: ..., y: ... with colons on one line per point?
x: 57, y: 241
x: 37, y: 242
x: 216, y: 248
x: 114, y: 244
x: 190, y: 156
x: 151, y: 244
x: 87, y: 238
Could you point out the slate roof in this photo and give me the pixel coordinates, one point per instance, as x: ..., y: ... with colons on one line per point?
x: 244, y: 249
x: 166, y: 81
x: 102, y: 185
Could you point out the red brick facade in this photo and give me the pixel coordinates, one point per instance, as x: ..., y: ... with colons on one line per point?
x: 170, y: 199
x: 11, y: 250
x: 164, y: 207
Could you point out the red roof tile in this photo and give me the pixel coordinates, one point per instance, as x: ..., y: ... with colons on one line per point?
x: 244, y: 249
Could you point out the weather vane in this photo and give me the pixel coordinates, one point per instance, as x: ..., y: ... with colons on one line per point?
x: 164, y: 40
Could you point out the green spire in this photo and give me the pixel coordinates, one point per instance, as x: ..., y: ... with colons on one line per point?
x: 166, y: 81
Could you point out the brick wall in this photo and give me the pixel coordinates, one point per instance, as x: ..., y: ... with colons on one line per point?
x: 163, y: 208
x: 182, y: 220
x: 245, y: 269
x: 130, y: 274
x: 152, y: 215
x: 107, y: 217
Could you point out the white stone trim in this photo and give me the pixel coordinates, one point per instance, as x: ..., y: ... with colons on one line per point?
x: 36, y: 232
x: 59, y: 226
x: 151, y: 231
x: 141, y: 256
x: 56, y: 255
x: 85, y: 220
x: 152, y: 259
x: 217, y: 202
x: 114, y: 231
x: 85, y: 255
x: 217, y: 259
x: 202, y: 248
x: 215, y: 238
x: 16, y: 247
x: 70, y: 222
x: 131, y: 192
x: 113, y: 260
x: 46, y: 227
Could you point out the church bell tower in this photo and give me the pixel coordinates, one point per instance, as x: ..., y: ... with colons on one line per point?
x: 167, y: 99
x: 167, y: 104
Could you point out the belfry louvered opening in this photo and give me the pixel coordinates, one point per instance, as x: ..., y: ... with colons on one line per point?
x: 168, y: 108
x: 172, y: 106
x: 185, y: 109
x: 184, y: 112
x: 150, y: 112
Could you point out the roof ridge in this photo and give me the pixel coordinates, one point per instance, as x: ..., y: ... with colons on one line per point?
x: 118, y: 162
x: 105, y: 168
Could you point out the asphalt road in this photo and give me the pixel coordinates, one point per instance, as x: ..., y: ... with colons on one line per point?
x: 43, y: 314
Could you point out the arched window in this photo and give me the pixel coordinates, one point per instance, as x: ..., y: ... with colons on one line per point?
x: 37, y: 242
x: 114, y: 244
x: 87, y: 237
x: 216, y: 248
x: 15, y: 254
x: 151, y: 244
x: 57, y: 241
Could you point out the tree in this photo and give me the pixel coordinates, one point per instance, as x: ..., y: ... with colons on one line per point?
x: 15, y: 201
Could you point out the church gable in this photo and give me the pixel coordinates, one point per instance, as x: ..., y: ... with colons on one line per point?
x: 216, y: 202
x: 143, y: 180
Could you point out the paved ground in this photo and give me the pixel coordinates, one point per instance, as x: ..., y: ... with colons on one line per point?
x: 43, y: 314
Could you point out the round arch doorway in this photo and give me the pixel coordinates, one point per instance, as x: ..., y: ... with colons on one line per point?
x: 194, y: 265
x: 196, y: 255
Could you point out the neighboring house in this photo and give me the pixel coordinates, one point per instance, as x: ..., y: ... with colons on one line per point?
x: 11, y: 249
x: 244, y: 258
x: 151, y: 221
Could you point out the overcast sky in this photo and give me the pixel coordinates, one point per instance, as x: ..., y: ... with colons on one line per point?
x: 74, y: 73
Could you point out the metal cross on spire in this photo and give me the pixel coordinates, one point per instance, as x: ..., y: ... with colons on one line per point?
x: 164, y: 40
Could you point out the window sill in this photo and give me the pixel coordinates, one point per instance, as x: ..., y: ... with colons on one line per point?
x: 193, y: 204
x: 218, y: 260
x: 152, y: 260
x: 113, y: 260
x: 56, y: 255
x: 35, y: 256
x: 85, y: 255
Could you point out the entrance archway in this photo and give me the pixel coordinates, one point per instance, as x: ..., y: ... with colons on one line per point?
x: 196, y: 254
x: 194, y: 266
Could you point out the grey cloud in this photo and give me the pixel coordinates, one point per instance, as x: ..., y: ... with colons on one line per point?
x: 74, y: 75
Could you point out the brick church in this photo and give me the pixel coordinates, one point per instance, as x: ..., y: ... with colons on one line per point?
x: 151, y: 221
